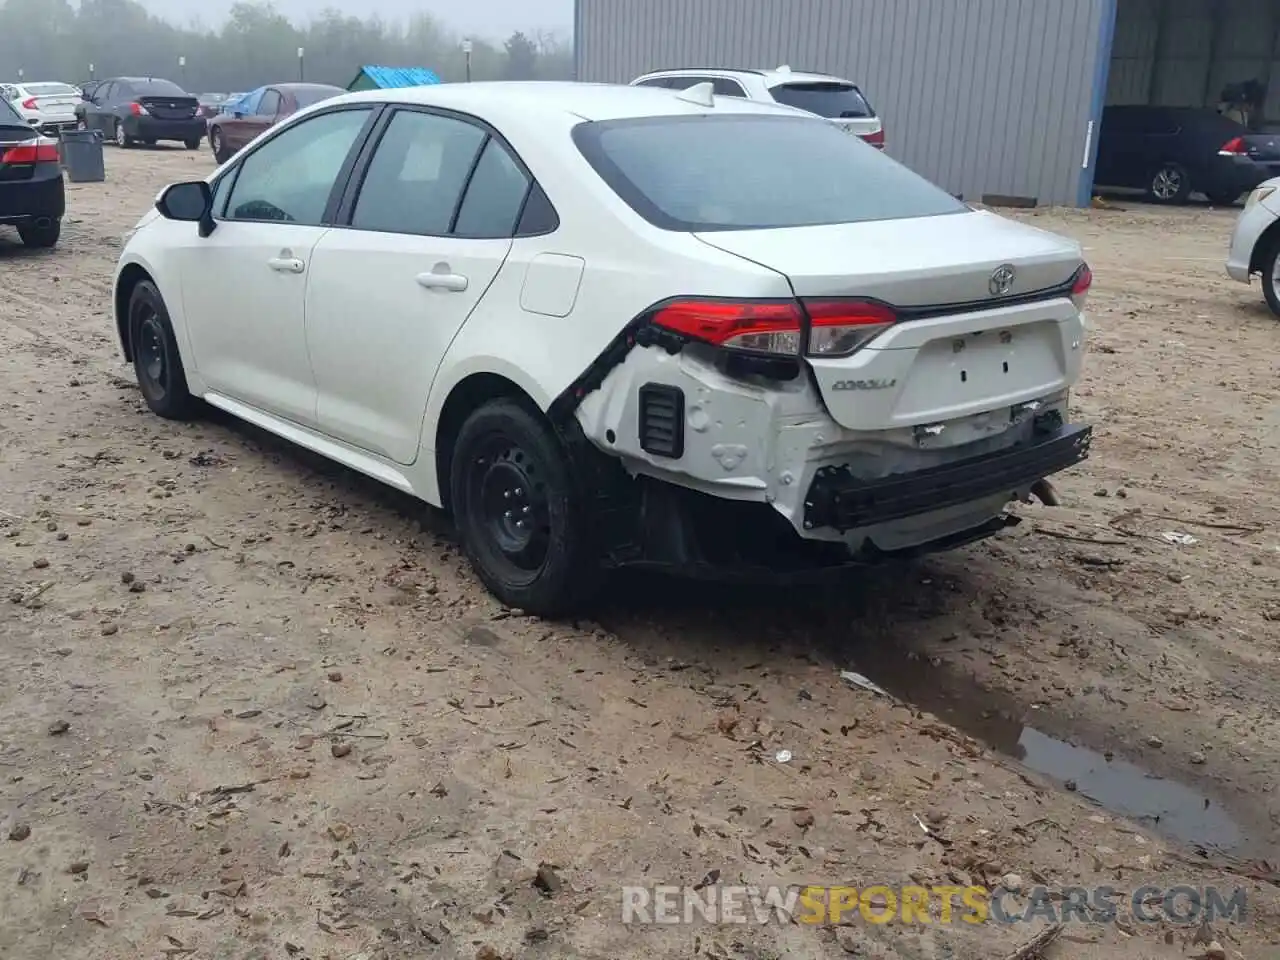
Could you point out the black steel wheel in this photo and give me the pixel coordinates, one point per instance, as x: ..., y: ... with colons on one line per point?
x: 156, y: 361
x: 519, y: 512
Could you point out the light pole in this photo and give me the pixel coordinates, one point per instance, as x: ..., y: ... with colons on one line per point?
x: 182, y: 66
x: 301, y: 69
x: 466, y: 56
x: 91, y: 71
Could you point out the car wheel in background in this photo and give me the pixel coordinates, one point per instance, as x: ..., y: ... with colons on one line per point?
x: 1270, y: 270
x: 1222, y: 198
x: 156, y: 360
x: 122, y: 139
x: 41, y: 238
x: 519, y: 512
x: 218, y: 143
x: 1170, y: 184
x: 193, y: 144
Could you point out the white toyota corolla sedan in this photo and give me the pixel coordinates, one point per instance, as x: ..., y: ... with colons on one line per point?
x: 614, y: 326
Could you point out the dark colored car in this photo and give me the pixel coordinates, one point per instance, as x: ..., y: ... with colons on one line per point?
x: 129, y: 110
x: 229, y: 132
x: 210, y: 104
x: 1172, y: 152
x: 32, y: 195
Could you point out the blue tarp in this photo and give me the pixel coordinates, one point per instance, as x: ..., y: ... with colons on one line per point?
x: 392, y: 77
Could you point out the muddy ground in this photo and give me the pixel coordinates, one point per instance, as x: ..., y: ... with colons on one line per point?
x: 292, y: 724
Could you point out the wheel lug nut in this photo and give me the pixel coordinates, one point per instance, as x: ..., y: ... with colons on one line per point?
x: 508, y: 515
x: 526, y: 509
x: 519, y: 492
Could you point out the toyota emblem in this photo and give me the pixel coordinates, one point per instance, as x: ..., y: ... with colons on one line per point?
x: 1001, y: 281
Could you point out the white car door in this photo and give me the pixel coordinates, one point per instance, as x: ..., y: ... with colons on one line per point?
x: 392, y: 286
x: 244, y: 285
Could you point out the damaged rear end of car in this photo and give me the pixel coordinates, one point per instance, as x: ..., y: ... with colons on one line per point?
x: 907, y: 377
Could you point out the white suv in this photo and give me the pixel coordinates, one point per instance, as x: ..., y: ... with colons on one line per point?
x: 834, y: 98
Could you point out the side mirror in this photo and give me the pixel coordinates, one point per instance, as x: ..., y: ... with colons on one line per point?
x: 190, y: 202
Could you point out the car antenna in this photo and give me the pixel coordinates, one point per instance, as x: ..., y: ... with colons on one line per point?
x: 702, y: 94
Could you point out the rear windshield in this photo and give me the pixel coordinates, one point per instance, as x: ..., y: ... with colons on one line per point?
x: 51, y: 90
x: 156, y: 88
x: 306, y: 98
x: 832, y: 100
x: 744, y: 171
x: 8, y: 114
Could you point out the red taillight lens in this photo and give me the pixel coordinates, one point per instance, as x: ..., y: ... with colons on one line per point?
x: 29, y: 103
x: 1081, y: 284
x: 32, y: 151
x: 875, y: 139
x: 760, y: 326
x: 839, y: 327
x: 137, y: 109
x: 1234, y: 147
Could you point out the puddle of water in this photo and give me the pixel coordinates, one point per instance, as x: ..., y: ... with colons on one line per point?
x: 1163, y: 805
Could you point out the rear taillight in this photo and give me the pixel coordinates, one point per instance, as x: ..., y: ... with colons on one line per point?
x: 839, y: 327
x: 1080, y: 285
x: 875, y: 139
x: 137, y: 109
x: 836, y: 328
x: 29, y: 104
x: 1235, y: 147
x: 39, y: 150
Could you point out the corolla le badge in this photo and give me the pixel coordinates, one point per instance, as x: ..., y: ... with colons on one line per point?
x: 1001, y: 281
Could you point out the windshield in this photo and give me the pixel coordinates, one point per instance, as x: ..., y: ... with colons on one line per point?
x: 306, y: 98
x: 833, y: 100
x: 8, y: 114
x: 156, y: 88
x: 745, y: 171
x: 51, y: 90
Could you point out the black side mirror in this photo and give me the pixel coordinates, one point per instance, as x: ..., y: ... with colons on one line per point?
x: 189, y: 202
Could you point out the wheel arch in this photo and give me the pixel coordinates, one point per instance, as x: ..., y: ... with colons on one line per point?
x: 1265, y: 242
x: 465, y: 397
x: 131, y: 274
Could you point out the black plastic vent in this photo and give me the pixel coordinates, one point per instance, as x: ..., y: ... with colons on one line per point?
x: 662, y: 420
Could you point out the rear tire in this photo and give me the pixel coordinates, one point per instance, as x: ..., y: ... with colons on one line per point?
x: 193, y: 144
x: 156, y: 361
x: 41, y: 238
x: 1170, y: 184
x: 122, y: 139
x: 520, y: 512
x: 1222, y: 198
x: 218, y: 143
x: 1269, y: 268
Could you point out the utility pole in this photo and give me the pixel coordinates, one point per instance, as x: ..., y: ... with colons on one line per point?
x: 466, y: 56
x: 182, y: 66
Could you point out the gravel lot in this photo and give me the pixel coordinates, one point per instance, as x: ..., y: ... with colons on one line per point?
x: 255, y: 706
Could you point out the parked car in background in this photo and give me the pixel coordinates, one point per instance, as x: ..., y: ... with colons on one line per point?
x: 131, y: 110
x: 1255, y: 242
x: 1169, y: 153
x: 32, y: 194
x: 230, y: 132
x: 608, y: 326
x: 211, y: 104
x: 241, y: 101
x: 49, y: 106
x: 838, y: 100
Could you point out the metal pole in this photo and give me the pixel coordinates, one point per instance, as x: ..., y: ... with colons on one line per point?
x: 466, y: 56
x: 301, y: 63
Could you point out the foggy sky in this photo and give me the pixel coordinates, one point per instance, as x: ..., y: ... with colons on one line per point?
x: 481, y: 18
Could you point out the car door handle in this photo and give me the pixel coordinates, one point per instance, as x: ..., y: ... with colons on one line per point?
x: 286, y: 264
x: 450, y: 282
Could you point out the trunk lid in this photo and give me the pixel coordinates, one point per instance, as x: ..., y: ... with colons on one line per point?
x: 1262, y: 147
x: 170, y: 108
x: 970, y: 339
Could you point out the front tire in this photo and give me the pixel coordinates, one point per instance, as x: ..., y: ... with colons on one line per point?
x: 218, y: 143
x: 156, y: 361
x: 1270, y: 270
x: 521, y: 515
x: 41, y: 238
x: 1170, y: 184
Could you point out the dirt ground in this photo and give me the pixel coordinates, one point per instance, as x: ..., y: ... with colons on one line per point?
x: 253, y: 706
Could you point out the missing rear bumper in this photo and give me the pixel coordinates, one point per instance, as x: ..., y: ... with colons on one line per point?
x: 838, y: 500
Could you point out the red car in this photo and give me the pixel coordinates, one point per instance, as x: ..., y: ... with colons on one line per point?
x: 229, y: 132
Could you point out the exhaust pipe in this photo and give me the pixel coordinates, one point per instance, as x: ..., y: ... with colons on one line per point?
x: 43, y: 223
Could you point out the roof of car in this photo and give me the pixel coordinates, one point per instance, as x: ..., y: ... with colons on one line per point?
x: 781, y: 74
x: 585, y: 101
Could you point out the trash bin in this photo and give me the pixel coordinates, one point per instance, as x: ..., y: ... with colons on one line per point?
x: 82, y: 156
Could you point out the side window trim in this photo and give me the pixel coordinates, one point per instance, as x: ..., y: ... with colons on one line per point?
x: 341, y: 184
x: 466, y: 184
x: 356, y: 176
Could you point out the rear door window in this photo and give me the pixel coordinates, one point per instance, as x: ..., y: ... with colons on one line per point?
x: 654, y: 82
x: 831, y: 99
x: 751, y: 171
x: 494, y: 197
x: 269, y: 105
x: 724, y: 87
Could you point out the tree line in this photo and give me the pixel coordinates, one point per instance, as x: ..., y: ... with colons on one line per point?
x: 54, y: 40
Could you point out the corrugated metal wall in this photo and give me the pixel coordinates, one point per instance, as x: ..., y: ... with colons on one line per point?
x: 1181, y: 53
x: 981, y: 96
